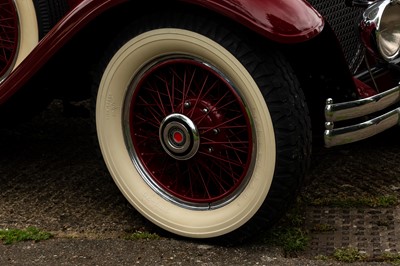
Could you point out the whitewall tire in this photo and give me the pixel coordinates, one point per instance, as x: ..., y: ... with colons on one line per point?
x: 186, y: 131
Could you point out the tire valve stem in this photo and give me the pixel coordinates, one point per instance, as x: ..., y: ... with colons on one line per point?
x: 187, y: 105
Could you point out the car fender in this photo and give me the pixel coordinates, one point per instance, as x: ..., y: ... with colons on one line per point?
x: 81, y: 14
x: 287, y: 21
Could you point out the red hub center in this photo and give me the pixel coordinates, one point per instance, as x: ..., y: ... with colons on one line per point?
x: 178, y: 137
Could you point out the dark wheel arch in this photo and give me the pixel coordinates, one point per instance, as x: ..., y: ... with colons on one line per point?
x: 34, y: 96
x: 49, y: 12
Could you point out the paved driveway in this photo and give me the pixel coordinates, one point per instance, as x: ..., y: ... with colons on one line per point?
x: 52, y: 178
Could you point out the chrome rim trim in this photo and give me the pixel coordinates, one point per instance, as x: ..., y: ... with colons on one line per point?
x: 371, y: 28
x: 142, y: 170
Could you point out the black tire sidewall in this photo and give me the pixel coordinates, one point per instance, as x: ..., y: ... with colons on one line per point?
x: 48, y: 13
x: 282, y: 95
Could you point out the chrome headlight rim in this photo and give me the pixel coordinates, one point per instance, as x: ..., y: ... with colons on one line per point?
x: 374, y: 29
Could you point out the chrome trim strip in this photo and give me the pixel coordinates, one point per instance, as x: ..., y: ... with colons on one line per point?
x: 349, y: 134
x: 139, y: 165
x: 358, y: 108
x: 363, y: 3
x: 373, y: 26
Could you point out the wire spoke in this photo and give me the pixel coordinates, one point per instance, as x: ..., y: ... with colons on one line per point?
x: 184, y: 87
x: 8, y: 36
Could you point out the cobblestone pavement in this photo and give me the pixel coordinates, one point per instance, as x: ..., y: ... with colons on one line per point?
x: 52, y: 178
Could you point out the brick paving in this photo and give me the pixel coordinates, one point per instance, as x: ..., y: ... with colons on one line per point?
x: 370, y: 230
x: 51, y: 178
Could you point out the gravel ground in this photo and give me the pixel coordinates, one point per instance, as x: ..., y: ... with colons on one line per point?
x: 52, y: 178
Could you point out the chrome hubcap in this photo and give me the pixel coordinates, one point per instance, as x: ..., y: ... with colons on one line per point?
x: 179, y: 137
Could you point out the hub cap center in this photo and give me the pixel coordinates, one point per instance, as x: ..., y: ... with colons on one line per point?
x: 179, y: 136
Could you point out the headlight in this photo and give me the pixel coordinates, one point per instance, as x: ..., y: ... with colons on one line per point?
x: 381, y: 28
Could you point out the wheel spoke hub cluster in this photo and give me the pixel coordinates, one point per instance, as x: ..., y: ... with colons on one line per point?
x: 189, y: 132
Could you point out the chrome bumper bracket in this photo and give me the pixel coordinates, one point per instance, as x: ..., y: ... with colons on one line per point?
x: 356, y: 109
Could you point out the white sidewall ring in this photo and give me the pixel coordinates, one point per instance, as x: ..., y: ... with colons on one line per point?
x: 28, y: 29
x: 120, y: 71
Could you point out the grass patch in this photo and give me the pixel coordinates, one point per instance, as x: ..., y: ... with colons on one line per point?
x: 290, y: 233
x: 138, y: 235
x: 323, y: 228
x: 291, y: 239
x: 348, y: 255
x: 354, y: 202
x: 10, y: 236
x: 391, y: 258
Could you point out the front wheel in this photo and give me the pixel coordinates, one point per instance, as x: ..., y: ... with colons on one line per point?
x: 204, y: 135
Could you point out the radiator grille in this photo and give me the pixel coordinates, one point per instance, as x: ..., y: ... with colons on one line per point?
x: 344, y: 21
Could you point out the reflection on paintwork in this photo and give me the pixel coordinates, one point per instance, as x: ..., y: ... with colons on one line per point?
x: 282, y: 21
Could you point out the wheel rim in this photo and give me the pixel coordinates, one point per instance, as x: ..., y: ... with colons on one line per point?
x: 9, y: 37
x: 189, y: 133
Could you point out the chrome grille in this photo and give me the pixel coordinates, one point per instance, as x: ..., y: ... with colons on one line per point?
x: 344, y: 21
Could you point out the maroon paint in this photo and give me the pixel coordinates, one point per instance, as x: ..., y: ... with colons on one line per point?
x: 54, y: 40
x: 284, y: 21
x: 280, y: 20
x: 73, y: 3
x: 367, y: 36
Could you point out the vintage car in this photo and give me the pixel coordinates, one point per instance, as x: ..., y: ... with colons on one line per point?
x: 205, y: 110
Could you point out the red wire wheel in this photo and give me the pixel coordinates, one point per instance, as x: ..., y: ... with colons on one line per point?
x: 204, y: 134
x: 189, y: 132
x: 9, y: 36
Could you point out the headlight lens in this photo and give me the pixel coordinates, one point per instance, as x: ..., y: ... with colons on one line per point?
x: 388, y: 32
x: 381, y: 29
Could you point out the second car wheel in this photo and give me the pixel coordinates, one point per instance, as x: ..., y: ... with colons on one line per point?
x: 22, y: 25
x: 18, y: 33
x: 204, y: 134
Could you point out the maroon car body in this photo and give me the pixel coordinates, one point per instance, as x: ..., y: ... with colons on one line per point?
x: 205, y: 109
x: 300, y: 23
